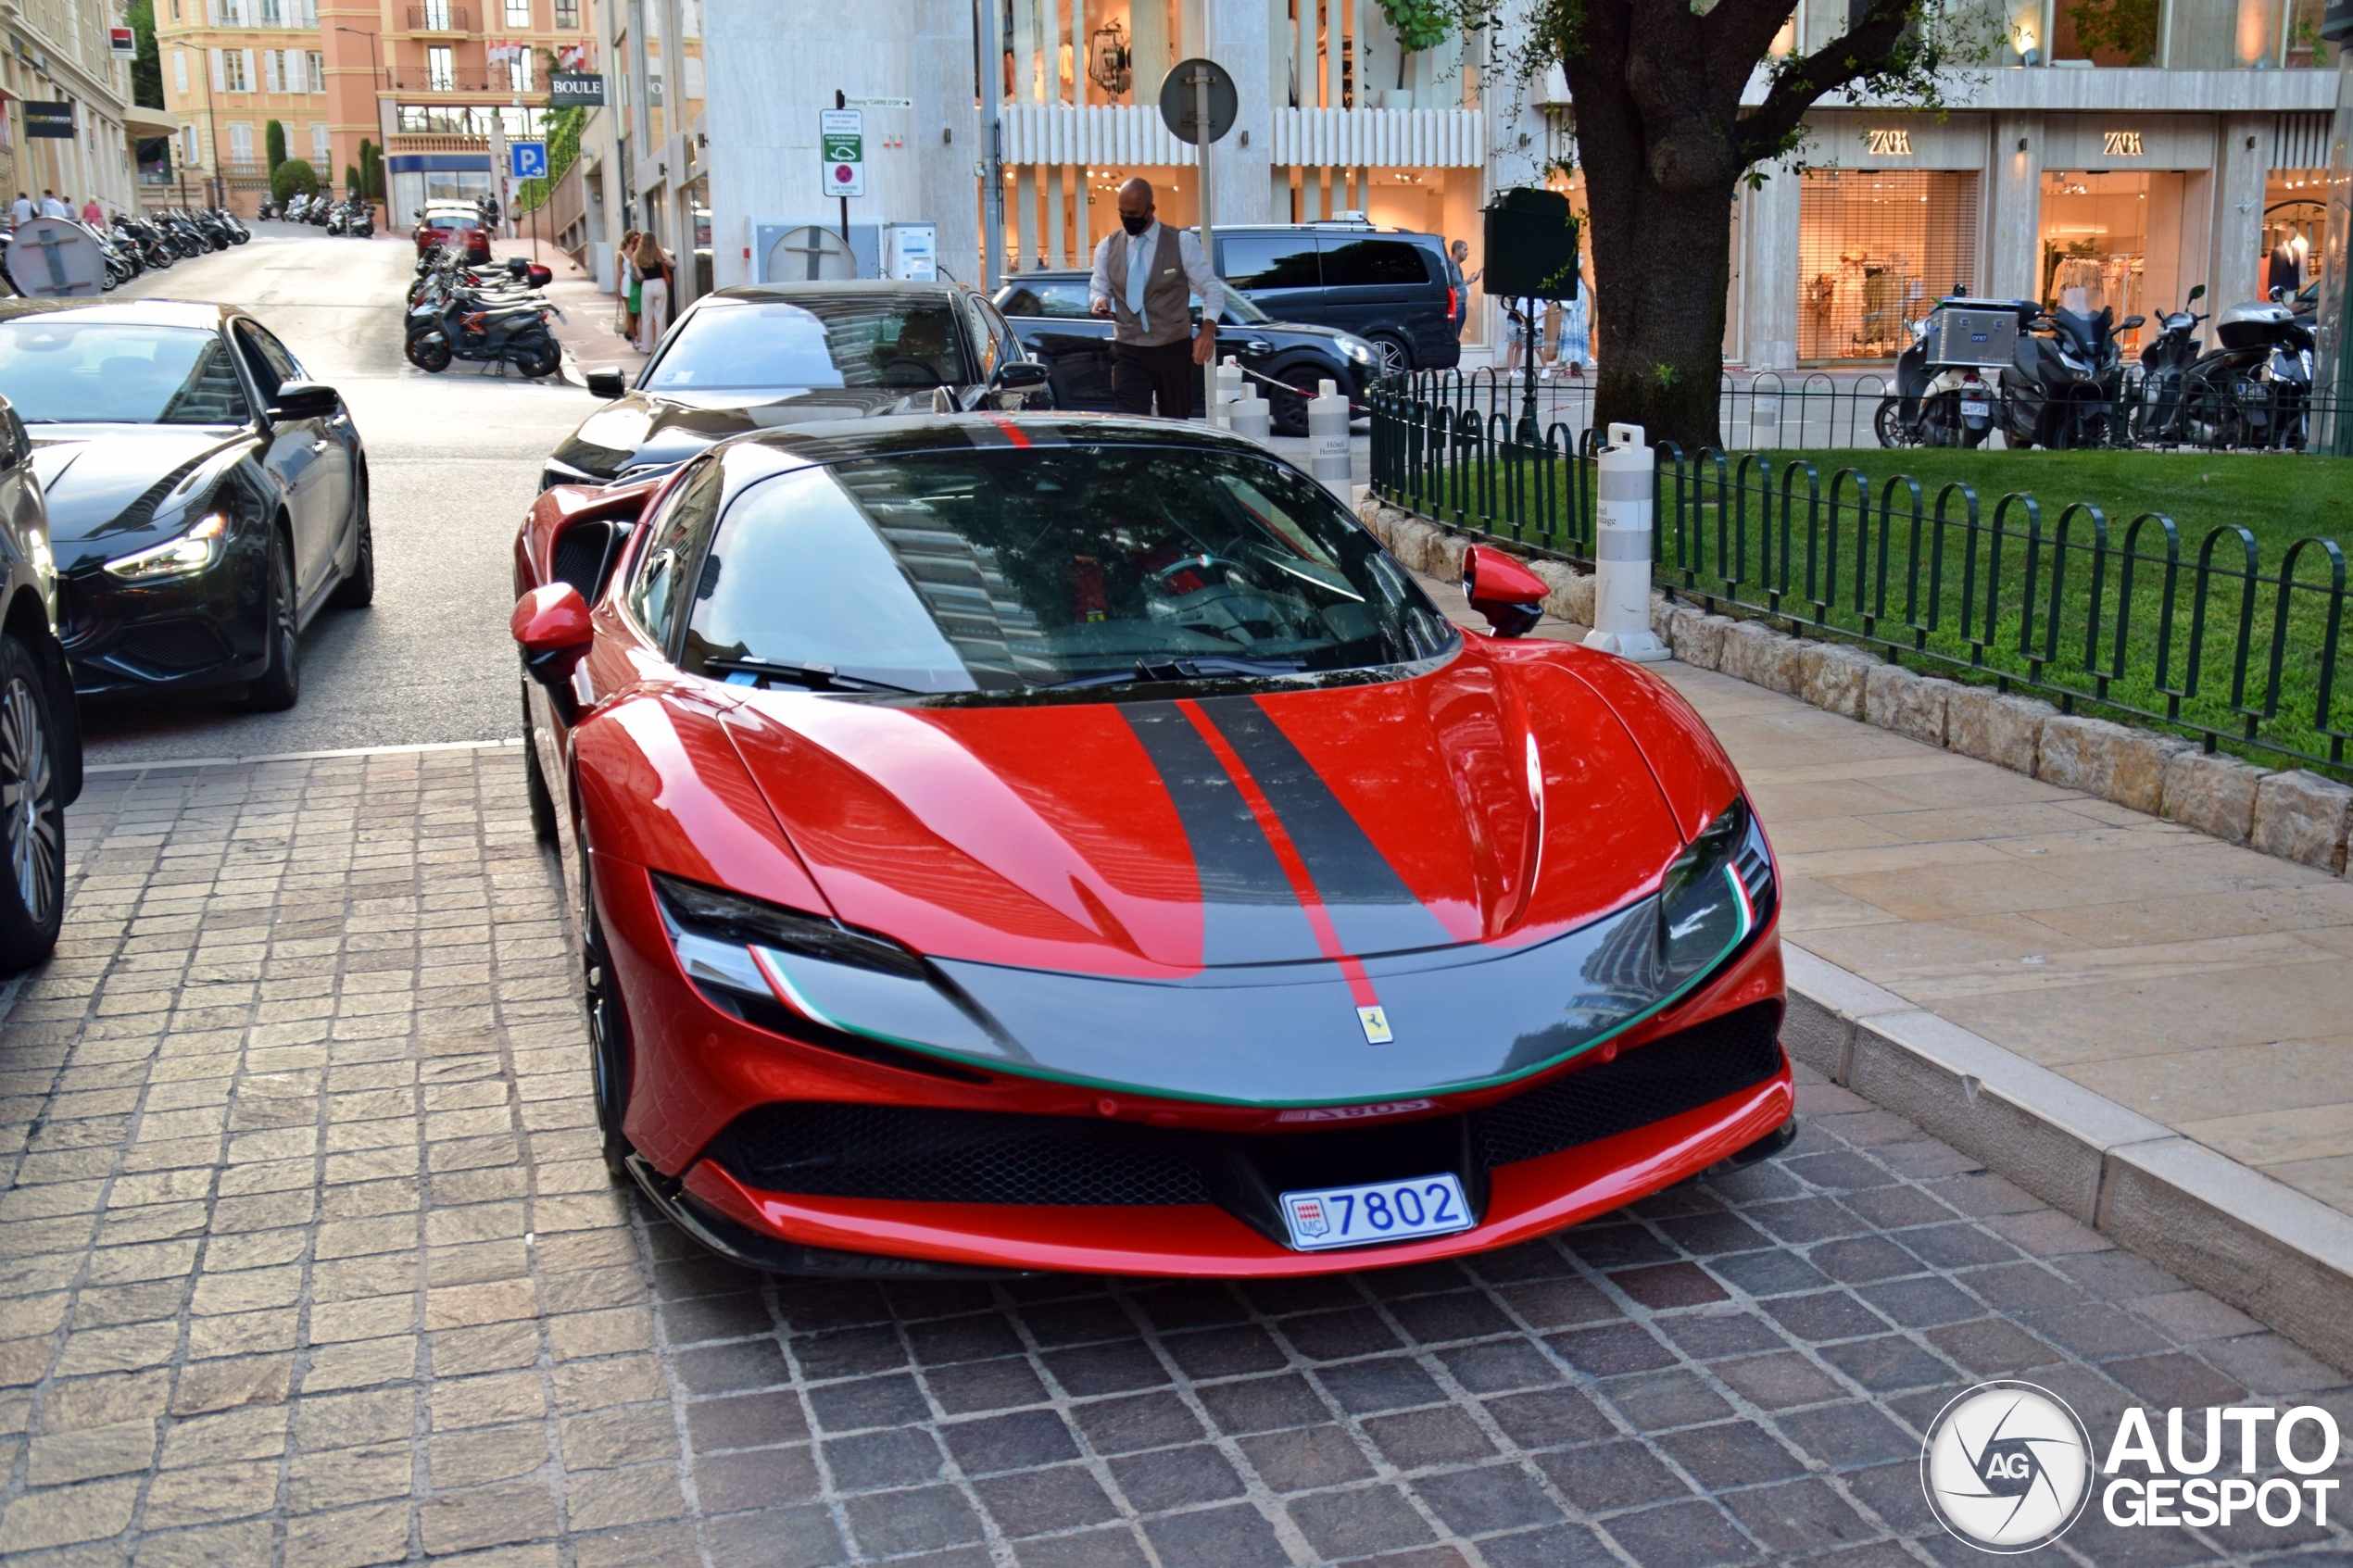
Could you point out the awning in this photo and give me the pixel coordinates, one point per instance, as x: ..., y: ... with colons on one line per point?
x: 143, y: 124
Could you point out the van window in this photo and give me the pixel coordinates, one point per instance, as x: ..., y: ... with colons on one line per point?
x: 1351, y: 264
x: 1271, y: 261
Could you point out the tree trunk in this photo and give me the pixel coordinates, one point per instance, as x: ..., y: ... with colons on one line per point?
x: 1662, y: 262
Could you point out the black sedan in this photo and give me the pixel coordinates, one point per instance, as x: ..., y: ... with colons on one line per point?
x: 782, y: 354
x: 205, y: 497
x: 1285, y: 359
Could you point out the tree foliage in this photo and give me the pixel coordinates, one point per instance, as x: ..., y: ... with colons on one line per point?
x: 372, y: 170
x: 290, y: 176
x: 147, y: 65
x: 273, y: 144
x: 2117, y: 27
x: 563, y: 126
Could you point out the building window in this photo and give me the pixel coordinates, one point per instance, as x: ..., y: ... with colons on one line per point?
x: 241, y: 143
x: 1876, y: 248
x: 273, y: 70
x: 518, y: 13
x: 318, y: 63
x: 519, y: 69
x: 322, y: 152
x: 441, y: 72
x: 436, y: 16
x: 237, y: 69
x: 567, y: 12
x: 180, y: 71
x: 273, y: 13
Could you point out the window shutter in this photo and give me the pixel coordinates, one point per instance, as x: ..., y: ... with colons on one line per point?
x: 248, y: 54
x: 212, y: 13
x: 219, y: 83
x: 180, y: 70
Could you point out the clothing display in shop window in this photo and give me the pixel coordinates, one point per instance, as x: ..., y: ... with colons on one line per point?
x: 2286, y: 270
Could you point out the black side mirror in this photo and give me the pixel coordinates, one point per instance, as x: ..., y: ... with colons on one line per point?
x: 304, y: 400
x: 2197, y: 294
x: 1019, y: 375
x: 606, y: 382
x: 2129, y: 322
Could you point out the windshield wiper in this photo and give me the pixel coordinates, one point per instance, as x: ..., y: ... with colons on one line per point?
x: 818, y: 677
x: 1206, y: 666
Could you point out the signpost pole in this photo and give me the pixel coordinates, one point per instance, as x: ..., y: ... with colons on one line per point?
x: 841, y: 101
x: 1202, y: 77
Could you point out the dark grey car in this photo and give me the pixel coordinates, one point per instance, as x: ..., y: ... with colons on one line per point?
x: 1396, y: 289
x: 40, y: 723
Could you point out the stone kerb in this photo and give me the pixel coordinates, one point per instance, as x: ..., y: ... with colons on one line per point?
x: 2297, y: 816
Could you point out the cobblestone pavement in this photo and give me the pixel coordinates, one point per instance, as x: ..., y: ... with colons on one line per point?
x: 305, y: 1257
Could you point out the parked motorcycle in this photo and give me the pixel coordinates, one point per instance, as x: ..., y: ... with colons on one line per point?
x: 453, y: 316
x: 2165, y: 365
x: 2066, y: 378
x: 1944, y: 396
x: 2254, y: 388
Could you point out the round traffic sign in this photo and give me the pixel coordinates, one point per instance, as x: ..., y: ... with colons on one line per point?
x: 1180, y: 100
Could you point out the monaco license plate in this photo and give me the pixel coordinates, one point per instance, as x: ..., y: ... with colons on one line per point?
x: 1376, y: 1211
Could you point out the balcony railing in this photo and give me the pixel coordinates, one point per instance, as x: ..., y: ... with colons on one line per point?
x: 414, y: 78
x: 435, y: 17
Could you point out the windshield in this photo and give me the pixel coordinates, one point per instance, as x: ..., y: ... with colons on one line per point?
x: 1005, y: 570
x: 63, y: 372
x: 849, y: 341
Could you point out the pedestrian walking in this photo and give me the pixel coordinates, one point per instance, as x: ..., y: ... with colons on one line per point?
x: 93, y: 214
x: 653, y: 304
x: 51, y: 206
x: 20, y: 211
x: 631, y: 285
x: 1142, y: 279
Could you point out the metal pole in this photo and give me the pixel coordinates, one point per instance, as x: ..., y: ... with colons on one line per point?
x: 988, y: 43
x: 1201, y: 79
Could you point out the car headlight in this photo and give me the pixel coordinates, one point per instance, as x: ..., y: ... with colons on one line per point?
x: 183, y: 557
x: 813, y: 978
x: 1715, y: 894
x: 1357, y: 351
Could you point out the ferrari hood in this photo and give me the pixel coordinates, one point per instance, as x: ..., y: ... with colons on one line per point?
x: 1491, y: 802
x: 100, y: 480
x: 667, y: 428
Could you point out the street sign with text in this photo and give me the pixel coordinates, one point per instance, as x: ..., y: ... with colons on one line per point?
x: 841, y: 152
x: 49, y: 119
x: 575, y: 89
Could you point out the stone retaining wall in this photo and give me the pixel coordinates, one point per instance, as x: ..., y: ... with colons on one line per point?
x: 2296, y: 815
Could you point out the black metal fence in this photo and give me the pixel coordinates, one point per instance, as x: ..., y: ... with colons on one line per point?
x: 2122, y: 616
x: 1824, y: 411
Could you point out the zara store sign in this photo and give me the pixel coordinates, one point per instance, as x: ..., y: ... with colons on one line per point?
x: 1887, y: 142
x: 2120, y: 144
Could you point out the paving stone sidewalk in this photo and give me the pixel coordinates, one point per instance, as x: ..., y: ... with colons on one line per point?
x: 306, y: 1257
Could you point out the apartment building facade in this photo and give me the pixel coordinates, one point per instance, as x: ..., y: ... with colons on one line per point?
x: 437, y: 85
x: 58, y: 51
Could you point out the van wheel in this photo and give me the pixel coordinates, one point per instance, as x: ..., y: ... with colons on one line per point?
x: 33, y: 828
x: 1395, y: 358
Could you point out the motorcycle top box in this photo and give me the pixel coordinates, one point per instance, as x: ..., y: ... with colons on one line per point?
x: 1967, y: 333
x: 2253, y: 324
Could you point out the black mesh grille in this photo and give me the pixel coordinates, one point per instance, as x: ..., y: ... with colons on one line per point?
x: 579, y: 556
x: 174, y: 644
x: 836, y: 1150
x: 957, y: 1156
x: 1650, y: 1082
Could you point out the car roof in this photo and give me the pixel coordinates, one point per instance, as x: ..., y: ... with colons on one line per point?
x: 867, y: 287
x: 132, y: 312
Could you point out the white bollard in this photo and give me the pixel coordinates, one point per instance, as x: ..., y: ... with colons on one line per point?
x: 1622, y: 549
x: 1253, y: 416
x: 1225, y: 390
x: 1328, y: 439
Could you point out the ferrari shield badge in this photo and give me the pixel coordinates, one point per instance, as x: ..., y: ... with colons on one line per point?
x: 1375, y: 1024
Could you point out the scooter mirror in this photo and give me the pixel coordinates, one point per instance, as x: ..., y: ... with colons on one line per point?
x: 2197, y: 294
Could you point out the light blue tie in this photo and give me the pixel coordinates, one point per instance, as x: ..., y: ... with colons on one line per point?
x: 1139, y: 271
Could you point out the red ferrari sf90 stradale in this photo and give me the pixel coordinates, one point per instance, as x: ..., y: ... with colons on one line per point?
x: 1072, y: 842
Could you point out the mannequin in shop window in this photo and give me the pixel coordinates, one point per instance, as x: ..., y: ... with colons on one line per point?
x: 2286, y: 270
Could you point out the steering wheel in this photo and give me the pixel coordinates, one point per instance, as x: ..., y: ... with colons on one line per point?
x: 929, y: 369
x: 1188, y: 563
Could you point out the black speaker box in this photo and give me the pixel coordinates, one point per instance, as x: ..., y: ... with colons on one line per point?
x: 1532, y: 247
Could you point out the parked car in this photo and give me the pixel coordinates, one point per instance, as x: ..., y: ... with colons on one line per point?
x: 1072, y: 842
x: 1396, y: 289
x: 1050, y: 312
x: 205, y: 497
x: 460, y: 228
x: 40, y: 721
x: 770, y: 354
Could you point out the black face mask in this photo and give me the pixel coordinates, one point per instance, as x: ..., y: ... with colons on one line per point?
x: 1134, y: 224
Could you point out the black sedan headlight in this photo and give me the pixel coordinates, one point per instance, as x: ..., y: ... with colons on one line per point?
x: 182, y: 556
x: 1716, y: 895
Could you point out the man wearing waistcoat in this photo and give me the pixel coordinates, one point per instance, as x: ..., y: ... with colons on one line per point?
x: 1144, y: 279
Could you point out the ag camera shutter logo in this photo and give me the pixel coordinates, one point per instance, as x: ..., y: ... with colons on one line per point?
x: 2007, y: 1467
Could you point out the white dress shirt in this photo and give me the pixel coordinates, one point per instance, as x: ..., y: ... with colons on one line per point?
x: 21, y: 211
x: 1142, y: 251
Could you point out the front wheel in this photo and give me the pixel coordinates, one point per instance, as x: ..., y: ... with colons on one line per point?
x: 535, y: 780
x: 610, y: 1057
x: 32, y: 829
x: 279, y: 686
x: 1395, y: 358
x: 358, y: 589
x: 429, y: 352
x: 540, y: 357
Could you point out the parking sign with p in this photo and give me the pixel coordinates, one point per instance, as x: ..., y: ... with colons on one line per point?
x: 527, y: 160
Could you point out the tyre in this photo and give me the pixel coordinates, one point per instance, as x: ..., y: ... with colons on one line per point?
x: 429, y: 351
x: 535, y: 780
x: 32, y: 829
x: 540, y: 358
x: 609, y: 1054
x: 279, y: 686
x: 1395, y: 358
x: 1289, y: 411
x: 1889, y: 424
x: 357, y: 590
